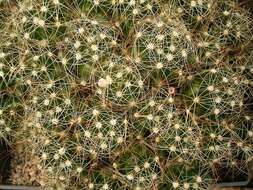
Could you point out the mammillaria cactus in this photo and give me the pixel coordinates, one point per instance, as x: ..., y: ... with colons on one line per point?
x: 127, y: 94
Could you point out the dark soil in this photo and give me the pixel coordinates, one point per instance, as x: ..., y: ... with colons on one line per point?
x: 5, y: 161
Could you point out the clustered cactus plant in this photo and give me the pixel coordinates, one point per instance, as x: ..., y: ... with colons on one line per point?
x: 127, y: 94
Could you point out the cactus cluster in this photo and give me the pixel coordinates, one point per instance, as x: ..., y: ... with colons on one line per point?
x: 127, y: 94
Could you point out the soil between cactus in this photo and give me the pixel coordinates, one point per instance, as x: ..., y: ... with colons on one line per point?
x: 5, y: 159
